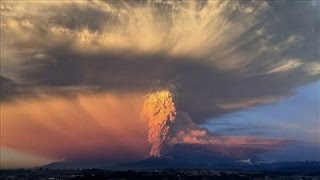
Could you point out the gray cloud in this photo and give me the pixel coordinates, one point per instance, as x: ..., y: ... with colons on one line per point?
x: 243, y: 53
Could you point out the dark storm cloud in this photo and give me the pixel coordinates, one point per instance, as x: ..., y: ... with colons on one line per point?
x: 262, y: 52
x: 8, y: 88
x: 199, y: 87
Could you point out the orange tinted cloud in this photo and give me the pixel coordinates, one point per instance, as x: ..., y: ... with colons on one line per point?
x: 202, y: 137
x: 107, y: 125
x: 230, y: 146
x: 86, y: 126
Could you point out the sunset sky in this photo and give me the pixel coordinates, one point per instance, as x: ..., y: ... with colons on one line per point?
x: 117, y: 81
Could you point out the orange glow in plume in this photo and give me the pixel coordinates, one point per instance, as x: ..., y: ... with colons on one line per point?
x: 160, y: 110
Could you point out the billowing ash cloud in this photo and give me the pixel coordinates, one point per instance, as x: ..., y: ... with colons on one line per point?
x: 169, y: 126
x: 160, y: 110
x: 221, y: 56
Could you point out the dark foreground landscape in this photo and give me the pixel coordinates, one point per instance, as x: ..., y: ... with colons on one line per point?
x: 158, y: 169
x: 41, y: 174
x: 167, y: 168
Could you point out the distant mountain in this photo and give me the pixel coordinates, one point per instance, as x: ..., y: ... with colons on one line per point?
x: 158, y: 163
x: 299, y: 166
x: 62, y: 165
x: 167, y: 163
x: 148, y: 163
x: 78, y: 165
x: 153, y: 163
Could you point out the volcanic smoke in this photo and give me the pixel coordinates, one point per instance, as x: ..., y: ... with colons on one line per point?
x: 160, y: 110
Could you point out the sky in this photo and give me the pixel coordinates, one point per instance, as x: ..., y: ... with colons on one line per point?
x: 296, y: 118
x: 118, y: 81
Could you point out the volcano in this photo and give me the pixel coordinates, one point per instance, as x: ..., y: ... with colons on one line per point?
x: 152, y: 162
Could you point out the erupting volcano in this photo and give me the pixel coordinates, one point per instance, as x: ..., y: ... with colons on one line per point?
x: 160, y: 110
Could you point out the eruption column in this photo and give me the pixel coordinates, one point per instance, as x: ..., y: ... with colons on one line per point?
x: 160, y: 110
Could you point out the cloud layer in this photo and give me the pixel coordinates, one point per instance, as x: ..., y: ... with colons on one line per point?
x: 217, y: 57
x: 83, y: 127
x: 213, y: 52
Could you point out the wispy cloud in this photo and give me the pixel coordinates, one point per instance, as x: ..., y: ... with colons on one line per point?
x: 219, y: 57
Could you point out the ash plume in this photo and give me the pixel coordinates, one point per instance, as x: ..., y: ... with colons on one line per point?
x: 160, y: 110
x: 226, y: 56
